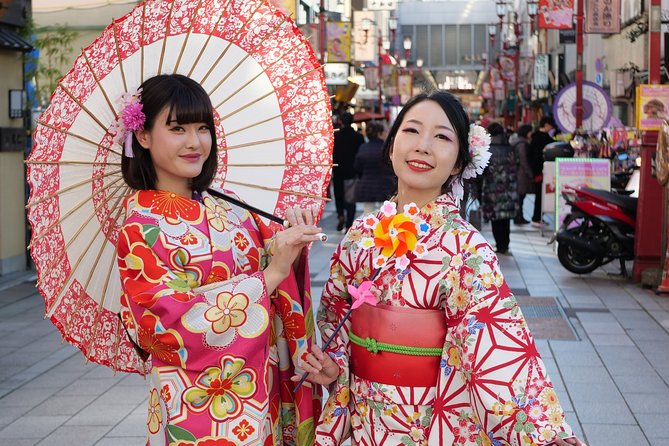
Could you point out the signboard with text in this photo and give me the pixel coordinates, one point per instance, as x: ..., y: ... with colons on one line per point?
x: 602, y: 16
x: 336, y: 73
x: 651, y: 101
x: 594, y: 173
x: 541, y: 71
x: 381, y: 5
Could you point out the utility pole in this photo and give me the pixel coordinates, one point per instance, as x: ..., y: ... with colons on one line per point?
x: 579, y: 64
x: 321, y: 29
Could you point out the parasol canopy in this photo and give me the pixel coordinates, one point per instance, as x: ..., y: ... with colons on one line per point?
x: 274, y: 129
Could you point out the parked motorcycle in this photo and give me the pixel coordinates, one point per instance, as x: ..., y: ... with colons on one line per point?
x: 599, y: 229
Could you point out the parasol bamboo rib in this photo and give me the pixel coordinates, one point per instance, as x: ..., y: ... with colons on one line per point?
x: 248, y: 82
x: 280, y: 165
x: 269, y: 93
x: 234, y: 39
x: 71, y: 162
x: 97, y: 81
x: 273, y: 189
x: 72, y: 186
x: 84, y: 288
x: 206, y: 42
x: 99, y: 308
x: 83, y: 107
x: 37, y: 237
x: 167, y: 33
x: 118, y: 56
x: 85, y: 223
x: 255, y: 124
x: 248, y: 55
x: 267, y: 141
x: 82, y: 138
x: 141, y: 44
x: 188, y: 33
x: 66, y: 282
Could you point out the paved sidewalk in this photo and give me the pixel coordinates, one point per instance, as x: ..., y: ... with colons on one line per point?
x: 613, y: 379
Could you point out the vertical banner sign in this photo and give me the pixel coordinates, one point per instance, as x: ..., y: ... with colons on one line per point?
x: 541, y: 71
x: 602, y: 16
x: 556, y: 14
x: 364, y: 43
x: 651, y: 101
x: 338, y: 35
x: 579, y: 172
x: 405, y: 87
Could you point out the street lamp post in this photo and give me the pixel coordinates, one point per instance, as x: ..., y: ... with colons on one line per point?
x: 406, y: 44
x: 492, y: 30
x: 366, y: 26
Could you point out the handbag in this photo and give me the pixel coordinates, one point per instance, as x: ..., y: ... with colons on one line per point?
x: 349, y: 189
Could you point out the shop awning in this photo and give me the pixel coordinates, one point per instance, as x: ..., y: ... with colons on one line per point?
x: 10, y: 40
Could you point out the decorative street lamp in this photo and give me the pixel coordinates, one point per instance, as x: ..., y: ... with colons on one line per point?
x: 392, y: 26
x: 500, y: 7
x: 492, y: 30
x: 407, y: 47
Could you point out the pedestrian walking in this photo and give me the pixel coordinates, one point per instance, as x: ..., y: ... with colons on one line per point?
x: 376, y: 180
x: 540, y: 139
x: 520, y: 142
x: 439, y: 352
x: 500, y: 182
x: 346, y: 144
x: 196, y: 286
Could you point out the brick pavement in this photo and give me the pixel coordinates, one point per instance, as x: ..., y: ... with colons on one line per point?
x: 613, y: 379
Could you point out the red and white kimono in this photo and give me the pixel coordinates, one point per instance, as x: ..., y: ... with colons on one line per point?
x: 222, y: 350
x: 491, y: 385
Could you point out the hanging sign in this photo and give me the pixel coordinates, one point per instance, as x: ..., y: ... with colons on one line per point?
x: 336, y: 73
x: 602, y: 16
x: 541, y: 71
x: 556, y: 14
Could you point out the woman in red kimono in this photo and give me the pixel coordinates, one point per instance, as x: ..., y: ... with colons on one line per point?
x: 221, y: 318
x: 443, y: 356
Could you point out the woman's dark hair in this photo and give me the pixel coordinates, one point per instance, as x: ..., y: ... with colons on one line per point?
x: 374, y: 129
x: 524, y: 130
x: 455, y: 113
x: 187, y: 102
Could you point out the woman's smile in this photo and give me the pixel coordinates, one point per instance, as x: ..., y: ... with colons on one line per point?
x: 419, y: 166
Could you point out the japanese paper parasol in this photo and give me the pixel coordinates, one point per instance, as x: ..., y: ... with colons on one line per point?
x: 274, y: 133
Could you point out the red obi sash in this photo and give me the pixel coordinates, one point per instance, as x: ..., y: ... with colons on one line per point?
x: 415, y: 338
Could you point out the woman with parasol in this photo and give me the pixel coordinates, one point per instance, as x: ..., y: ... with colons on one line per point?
x: 196, y: 286
x: 227, y: 93
x: 436, y: 351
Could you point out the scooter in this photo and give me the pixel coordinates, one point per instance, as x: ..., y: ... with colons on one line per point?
x: 599, y: 229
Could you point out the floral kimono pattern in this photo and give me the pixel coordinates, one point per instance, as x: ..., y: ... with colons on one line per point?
x: 222, y: 350
x: 492, y: 388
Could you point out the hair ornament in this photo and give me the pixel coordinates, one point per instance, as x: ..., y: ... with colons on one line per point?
x: 130, y: 119
x: 479, y: 143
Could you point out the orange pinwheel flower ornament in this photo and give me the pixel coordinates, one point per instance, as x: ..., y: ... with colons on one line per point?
x: 396, y: 234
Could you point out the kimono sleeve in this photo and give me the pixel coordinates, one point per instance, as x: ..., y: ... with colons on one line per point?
x: 334, y: 424
x: 491, y: 364
x: 164, y: 309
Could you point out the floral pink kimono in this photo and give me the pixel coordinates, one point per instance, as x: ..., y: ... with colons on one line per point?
x: 222, y: 350
x: 486, y: 384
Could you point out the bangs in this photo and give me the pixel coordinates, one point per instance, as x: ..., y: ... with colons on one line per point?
x: 189, y: 105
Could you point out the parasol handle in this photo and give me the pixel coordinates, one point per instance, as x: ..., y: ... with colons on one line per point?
x: 323, y: 237
x: 248, y: 207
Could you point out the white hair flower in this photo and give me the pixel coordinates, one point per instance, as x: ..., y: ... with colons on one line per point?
x: 479, y: 143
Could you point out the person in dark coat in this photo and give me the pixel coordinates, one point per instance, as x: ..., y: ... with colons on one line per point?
x: 521, y: 145
x: 540, y: 139
x: 499, y: 192
x: 346, y: 144
x: 376, y: 180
